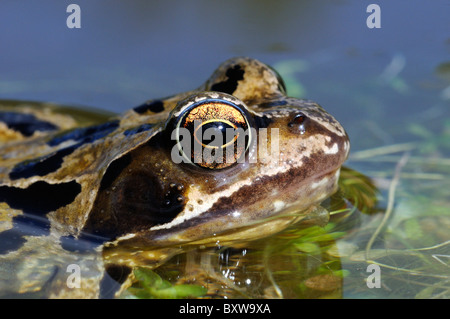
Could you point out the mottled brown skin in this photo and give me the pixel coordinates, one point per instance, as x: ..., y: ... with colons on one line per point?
x: 123, y: 191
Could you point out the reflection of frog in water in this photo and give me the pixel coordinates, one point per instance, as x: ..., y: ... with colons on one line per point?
x: 68, y: 193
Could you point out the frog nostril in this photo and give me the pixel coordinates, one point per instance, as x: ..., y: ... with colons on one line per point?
x: 298, y: 119
x: 298, y: 123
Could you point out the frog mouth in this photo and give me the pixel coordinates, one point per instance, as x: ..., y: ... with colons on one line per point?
x: 282, y: 215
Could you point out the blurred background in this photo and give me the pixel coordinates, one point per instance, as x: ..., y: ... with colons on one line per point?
x: 389, y: 88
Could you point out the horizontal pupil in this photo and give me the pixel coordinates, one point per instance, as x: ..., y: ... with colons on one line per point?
x: 215, y: 133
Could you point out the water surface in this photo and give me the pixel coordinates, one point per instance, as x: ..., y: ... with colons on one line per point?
x: 389, y: 87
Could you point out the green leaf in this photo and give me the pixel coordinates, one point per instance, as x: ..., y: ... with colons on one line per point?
x: 307, y: 247
x: 413, y: 229
x: 180, y: 291
x: 425, y: 293
x: 419, y: 130
x: 148, y: 278
x: 151, y: 285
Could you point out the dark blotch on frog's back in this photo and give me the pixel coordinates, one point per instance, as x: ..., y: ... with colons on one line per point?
x: 41, y: 198
x: 153, y: 106
x: 26, y: 124
x: 85, y: 134
x: 234, y: 74
x: 139, y: 129
x: 47, y: 164
x: 41, y: 166
x: 81, y: 243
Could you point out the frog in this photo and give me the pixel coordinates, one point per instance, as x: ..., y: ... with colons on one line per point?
x: 84, y: 203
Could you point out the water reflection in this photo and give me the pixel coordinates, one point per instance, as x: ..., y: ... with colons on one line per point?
x: 128, y: 52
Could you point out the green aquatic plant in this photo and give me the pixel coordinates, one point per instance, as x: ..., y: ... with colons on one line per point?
x: 410, y: 241
x: 150, y: 285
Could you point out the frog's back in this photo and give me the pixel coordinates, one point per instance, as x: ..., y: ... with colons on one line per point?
x: 59, y: 153
x: 23, y: 120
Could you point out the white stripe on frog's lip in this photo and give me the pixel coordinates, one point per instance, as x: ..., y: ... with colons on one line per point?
x: 207, y: 203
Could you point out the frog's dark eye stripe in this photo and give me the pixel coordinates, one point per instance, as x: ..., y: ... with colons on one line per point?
x: 26, y: 124
x: 219, y: 133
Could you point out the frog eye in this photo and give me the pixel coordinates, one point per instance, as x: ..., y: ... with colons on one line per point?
x: 217, y: 128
